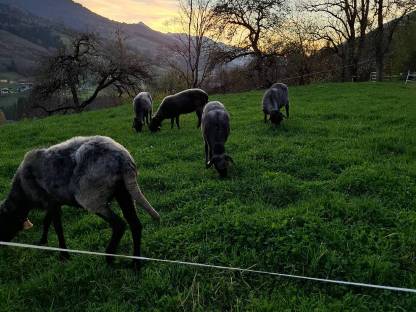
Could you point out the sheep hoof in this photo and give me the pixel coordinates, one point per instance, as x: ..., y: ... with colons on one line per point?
x: 42, y: 242
x: 64, y: 256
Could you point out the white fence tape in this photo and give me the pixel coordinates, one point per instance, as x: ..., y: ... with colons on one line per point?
x: 219, y: 267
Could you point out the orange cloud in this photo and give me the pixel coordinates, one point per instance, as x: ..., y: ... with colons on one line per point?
x: 157, y: 14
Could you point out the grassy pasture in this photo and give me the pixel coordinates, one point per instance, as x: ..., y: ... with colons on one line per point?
x: 331, y: 193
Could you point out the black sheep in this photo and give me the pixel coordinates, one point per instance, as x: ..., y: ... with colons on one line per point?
x: 187, y: 101
x: 215, y: 131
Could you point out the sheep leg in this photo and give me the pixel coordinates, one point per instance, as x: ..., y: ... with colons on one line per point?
x: 206, y: 154
x: 57, y: 223
x: 118, y: 227
x: 177, y: 121
x: 126, y: 203
x: 46, y: 224
x: 287, y: 110
x: 265, y: 118
x: 199, y: 115
x: 147, y: 118
x: 171, y: 122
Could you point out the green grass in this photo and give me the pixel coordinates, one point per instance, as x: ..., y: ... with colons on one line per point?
x: 331, y: 193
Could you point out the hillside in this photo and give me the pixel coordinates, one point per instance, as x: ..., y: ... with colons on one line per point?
x: 24, y: 38
x: 331, y: 193
x: 75, y: 16
x: 44, y: 22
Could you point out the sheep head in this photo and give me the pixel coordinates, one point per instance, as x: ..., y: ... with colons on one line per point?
x: 276, y: 117
x: 12, y: 221
x: 221, y: 164
x: 155, y: 124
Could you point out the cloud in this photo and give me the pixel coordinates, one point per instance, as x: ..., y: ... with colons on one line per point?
x: 154, y: 13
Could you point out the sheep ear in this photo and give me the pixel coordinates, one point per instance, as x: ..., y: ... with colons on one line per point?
x: 228, y: 158
x: 27, y: 224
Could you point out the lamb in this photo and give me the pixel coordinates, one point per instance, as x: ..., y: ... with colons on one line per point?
x: 215, y: 131
x: 184, y: 102
x: 142, y: 106
x: 86, y: 172
x: 273, y: 100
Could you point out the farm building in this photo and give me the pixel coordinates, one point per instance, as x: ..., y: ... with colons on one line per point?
x: 4, y: 91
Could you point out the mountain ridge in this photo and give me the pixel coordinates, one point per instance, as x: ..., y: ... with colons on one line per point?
x: 33, y: 19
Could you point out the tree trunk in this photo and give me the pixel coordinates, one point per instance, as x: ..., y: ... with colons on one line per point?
x: 75, y: 97
x: 380, y: 66
x: 351, y: 61
x: 379, y: 41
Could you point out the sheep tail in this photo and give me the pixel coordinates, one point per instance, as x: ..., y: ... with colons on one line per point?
x: 137, y: 195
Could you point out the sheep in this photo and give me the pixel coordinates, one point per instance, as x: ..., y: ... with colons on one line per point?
x: 215, y: 129
x: 86, y: 172
x: 273, y: 100
x: 184, y: 102
x: 142, y: 106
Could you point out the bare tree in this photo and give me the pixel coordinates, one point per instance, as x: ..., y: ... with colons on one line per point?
x: 344, y: 25
x: 87, y: 61
x: 393, y: 12
x: 193, y: 52
x: 251, y: 26
x: 300, y: 50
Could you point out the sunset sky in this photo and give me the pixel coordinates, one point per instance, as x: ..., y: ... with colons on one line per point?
x: 154, y: 13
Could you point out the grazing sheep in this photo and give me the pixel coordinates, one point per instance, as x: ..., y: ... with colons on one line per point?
x: 215, y: 130
x: 187, y: 101
x: 273, y: 100
x: 85, y: 172
x: 142, y: 106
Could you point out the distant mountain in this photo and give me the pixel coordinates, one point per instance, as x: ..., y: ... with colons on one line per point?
x: 24, y: 38
x: 75, y: 16
x: 32, y: 27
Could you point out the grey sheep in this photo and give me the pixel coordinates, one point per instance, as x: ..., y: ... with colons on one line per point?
x: 86, y: 172
x: 273, y: 100
x: 215, y: 129
x: 184, y: 102
x: 143, y: 110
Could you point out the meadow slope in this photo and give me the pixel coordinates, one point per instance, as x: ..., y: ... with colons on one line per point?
x: 331, y: 193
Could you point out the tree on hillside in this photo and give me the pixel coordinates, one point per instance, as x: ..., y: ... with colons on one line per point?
x: 300, y: 50
x: 404, y: 46
x: 251, y: 26
x: 252, y: 30
x: 87, y: 61
x: 393, y: 12
x: 193, y: 55
x: 343, y: 25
